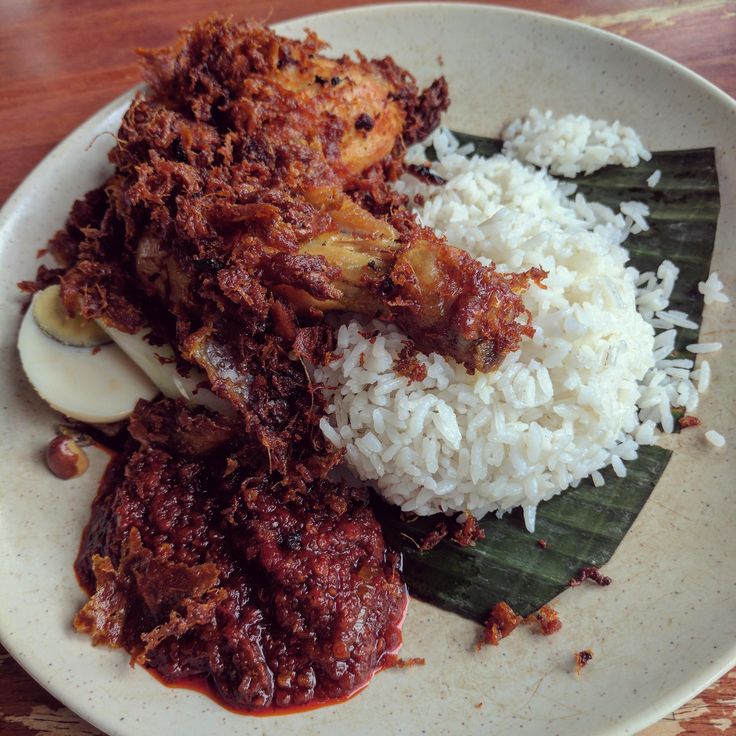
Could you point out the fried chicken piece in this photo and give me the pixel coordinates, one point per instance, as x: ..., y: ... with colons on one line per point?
x: 240, y: 205
x: 353, y: 113
x: 445, y: 300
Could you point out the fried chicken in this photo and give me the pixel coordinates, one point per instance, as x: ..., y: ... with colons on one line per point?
x: 251, y: 195
x: 245, y: 178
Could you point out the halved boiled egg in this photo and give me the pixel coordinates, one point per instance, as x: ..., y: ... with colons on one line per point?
x: 51, y: 316
x: 92, y: 384
x: 102, y: 383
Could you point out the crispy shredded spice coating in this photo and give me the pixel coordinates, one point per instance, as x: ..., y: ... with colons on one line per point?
x: 591, y: 573
x: 425, y: 174
x: 409, y: 366
x: 502, y: 620
x: 546, y: 620
x: 434, y: 537
x: 468, y: 533
x: 465, y: 534
x: 581, y: 660
x: 369, y: 335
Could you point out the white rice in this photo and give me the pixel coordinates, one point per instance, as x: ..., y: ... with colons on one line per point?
x: 653, y: 180
x: 712, y: 289
x: 583, y: 394
x: 704, y: 347
x: 702, y: 375
x: 715, y: 438
x: 570, y: 144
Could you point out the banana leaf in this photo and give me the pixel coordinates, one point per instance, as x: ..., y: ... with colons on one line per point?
x: 582, y: 526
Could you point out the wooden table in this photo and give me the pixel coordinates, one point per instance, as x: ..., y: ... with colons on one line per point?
x: 60, y: 60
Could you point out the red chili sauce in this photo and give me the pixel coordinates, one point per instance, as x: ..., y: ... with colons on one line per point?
x: 217, y: 578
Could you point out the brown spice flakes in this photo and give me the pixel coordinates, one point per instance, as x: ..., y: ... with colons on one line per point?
x: 433, y: 538
x: 581, y: 660
x: 369, y: 335
x: 408, y: 366
x: 468, y: 533
x: 590, y: 573
x: 479, y: 705
x: 688, y: 421
x: 547, y: 620
x: 425, y: 175
x: 501, y: 622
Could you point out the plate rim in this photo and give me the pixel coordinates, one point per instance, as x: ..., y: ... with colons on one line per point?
x: 645, y: 716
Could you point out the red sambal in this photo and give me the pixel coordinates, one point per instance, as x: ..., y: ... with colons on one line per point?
x: 201, y: 566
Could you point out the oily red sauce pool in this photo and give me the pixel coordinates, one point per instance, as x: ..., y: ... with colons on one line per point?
x: 205, y: 569
x: 204, y: 687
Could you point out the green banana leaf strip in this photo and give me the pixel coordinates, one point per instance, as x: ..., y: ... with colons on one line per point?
x: 582, y: 526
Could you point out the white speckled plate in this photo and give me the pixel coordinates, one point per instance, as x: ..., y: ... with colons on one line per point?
x: 662, y: 632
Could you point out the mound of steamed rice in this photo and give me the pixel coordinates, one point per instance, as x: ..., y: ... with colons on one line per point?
x: 578, y: 397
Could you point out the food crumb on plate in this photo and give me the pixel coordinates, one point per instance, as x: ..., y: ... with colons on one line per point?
x: 468, y: 533
x: 581, y: 660
x: 400, y: 663
x: 704, y: 347
x: 546, y: 619
x: 688, y: 421
x: 432, y: 538
x: 653, y: 180
x: 501, y: 621
x: 590, y: 573
x: 715, y: 438
x: 712, y: 289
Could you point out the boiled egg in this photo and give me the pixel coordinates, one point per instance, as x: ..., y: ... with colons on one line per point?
x: 95, y: 373
x: 92, y: 384
x: 159, y: 364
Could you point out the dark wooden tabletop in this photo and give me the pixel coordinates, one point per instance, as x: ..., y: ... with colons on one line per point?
x: 61, y: 60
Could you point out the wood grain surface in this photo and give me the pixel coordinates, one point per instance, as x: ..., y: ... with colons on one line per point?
x: 61, y: 60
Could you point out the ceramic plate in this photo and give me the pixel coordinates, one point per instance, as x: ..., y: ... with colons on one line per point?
x: 661, y: 633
